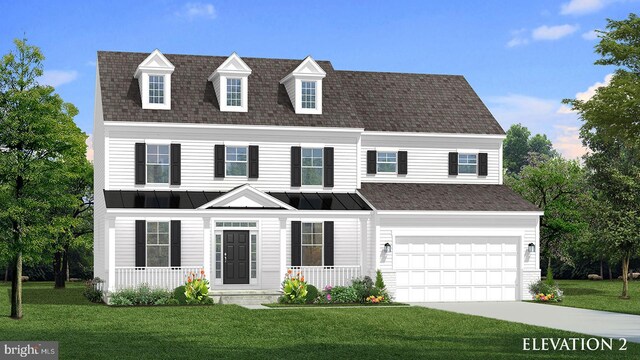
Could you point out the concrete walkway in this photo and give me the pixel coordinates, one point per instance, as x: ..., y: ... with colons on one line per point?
x: 591, y: 322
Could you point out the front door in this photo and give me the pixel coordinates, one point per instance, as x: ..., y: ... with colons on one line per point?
x: 236, y: 257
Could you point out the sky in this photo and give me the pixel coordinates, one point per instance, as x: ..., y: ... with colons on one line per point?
x: 521, y: 57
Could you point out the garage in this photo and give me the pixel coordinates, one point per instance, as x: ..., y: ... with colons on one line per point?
x: 456, y: 268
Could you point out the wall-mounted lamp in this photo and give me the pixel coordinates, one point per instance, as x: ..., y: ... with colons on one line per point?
x: 387, y: 248
x: 532, y: 248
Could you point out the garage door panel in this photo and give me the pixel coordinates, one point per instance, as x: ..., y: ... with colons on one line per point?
x: 510, y: 261
x: 402, y: 278
x: 432, y: 294
x: 433, y: 277
x: 479, y: 261
x: 509, y: 277
x: 433, y: 261
x: 494, y: 278
x: 464, y: 261
x: 401, y: 261
x: 416, y: 294
x: 479, y: 277
x: 417, y: 278
x: 417, y: 261
x: 448, y: 261
x: 464, y: 277
x: 494, y: 261
x: 479, y: 294
x: 463, y: 294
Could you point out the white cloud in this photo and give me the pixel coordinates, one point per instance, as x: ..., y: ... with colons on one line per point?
x: 518, y: 38
x: 197, y: 10
x: 567, y: 141
x: 580, y: 7
x: 556, y: 32
x: 590, y: 35
x: 56, y: 78
x: 587, y: 94
x: 89, y: 143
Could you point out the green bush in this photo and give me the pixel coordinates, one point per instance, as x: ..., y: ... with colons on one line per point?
x: 543, y: 287
x: 343, y: 295
x: 379, y: 282
x: 142, y: 295
x: 173, y: 301
x: 178, y: 294
x: 312, y: 294
x: 91, y: 291
x: 363, y: 287
x: 119, y: 299
x: 380, y: 292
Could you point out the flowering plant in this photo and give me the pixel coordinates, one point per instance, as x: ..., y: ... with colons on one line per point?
x: 375, y: 299
x: 294, y: 288
x: 196, y: 289
x: 551, y: 297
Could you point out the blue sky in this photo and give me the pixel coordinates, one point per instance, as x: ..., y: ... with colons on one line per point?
x: 522, y: 57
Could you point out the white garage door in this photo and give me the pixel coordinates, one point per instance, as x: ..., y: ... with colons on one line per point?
x: 456, y: 268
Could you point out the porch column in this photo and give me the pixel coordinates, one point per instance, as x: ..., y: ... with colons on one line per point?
x: 283, y: 247
x: 206, y: 238
x: 111, y: 254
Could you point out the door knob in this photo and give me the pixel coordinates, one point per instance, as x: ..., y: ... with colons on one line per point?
x: 225, y: 257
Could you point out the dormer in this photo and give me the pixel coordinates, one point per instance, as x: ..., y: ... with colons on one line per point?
x: 154, y: 78
x: 231, y: 84
x: 304, y: 86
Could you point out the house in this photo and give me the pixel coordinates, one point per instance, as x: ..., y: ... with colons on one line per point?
x: 248, y: 167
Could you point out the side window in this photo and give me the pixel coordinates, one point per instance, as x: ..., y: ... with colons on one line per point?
x: 387, y: 162
x: 312, y: 166
x: 467, y: 163
x: 236, y: 161
x: 156, y: 89
x: 311, y: 244
x: 157, y: 164
x: 158, y: 244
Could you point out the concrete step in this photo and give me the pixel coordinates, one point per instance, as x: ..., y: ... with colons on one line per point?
x: 244, y: 297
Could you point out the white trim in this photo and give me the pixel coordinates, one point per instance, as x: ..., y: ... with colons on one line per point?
x: 473, y: 213
x: 433, y: 134
x: 319, y: 73
x: 247, y: 212
x: 232, y: 127
x: 358, y: 162
x: 243, y: 188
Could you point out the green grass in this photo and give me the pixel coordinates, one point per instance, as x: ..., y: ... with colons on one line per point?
x: 279, y: 305
x: 600, y: 295
x: 90, y: 331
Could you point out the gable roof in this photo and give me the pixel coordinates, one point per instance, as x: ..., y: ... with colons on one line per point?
x: 444, y: 197
x: 369, y: 100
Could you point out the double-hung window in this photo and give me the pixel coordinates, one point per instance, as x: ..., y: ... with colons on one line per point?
x: 236, y: 161
x: 157, y: 164
x: 312, y: 160
x: 311, y: 244
x: 308, y: 94
x: 387, y: 162
x: 467, y: 163
x: 158, y: 243
x: 234, y: 92
x: 156, y: 89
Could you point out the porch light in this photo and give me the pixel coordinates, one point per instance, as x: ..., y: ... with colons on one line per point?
x: 532, y: 248
x: 387, y: 248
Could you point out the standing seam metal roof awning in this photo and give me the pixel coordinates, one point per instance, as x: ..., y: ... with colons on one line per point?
x: 169, y: 199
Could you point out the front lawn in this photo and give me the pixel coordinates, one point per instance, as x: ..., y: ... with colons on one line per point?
x: 90, y: 331
x: 600, y: 295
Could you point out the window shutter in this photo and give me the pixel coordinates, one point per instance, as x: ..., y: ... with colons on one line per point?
x: 296, y: 243
x: 141, y: 243
x: 482, y: 164
x: 254, y: 166
x: 328, y: 243
x: 371, y: 161
x: 328, y: 167
x: 453, y: 163
x: 296, y: 166
x: 175, y: 164
x: 219, y: 161
x: 402, y: 163
x: 140, y: 163
x: 176, y: 235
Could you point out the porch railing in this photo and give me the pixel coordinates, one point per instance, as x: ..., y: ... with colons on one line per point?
x: 321, y: 276
x: 156, y: 278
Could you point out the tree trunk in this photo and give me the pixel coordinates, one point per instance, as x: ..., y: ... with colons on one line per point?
x: 16, y: 287
x: 610, y: 276
x: 625, y: 277
x: 601, y: 269
x: 6, y: 273
x: 59, y: 269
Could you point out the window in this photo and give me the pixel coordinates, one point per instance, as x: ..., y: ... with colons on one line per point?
x: 236, y: 164
x: 311, y: 244
x: 387, y: 162
x: 312, y: 166
x: 234, y: 92
x: 218, y: 256
x: 157, y: 164
x: 467, y: 163
x: 156, y: 89
x: 158, y: 243
x: 308, y: 94
x: 254, y: 263
x: 242, y: 224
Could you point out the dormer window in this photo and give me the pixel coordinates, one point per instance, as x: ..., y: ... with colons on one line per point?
x: 154, y: 80
x: 304, y: 86
x: 230, y: 82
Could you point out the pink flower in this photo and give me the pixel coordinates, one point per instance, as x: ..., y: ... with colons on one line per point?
x: 328, y: 297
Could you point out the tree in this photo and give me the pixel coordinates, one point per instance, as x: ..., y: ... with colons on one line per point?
x: 519, y: 145
x: 557, y: 186
x: 37, y: 135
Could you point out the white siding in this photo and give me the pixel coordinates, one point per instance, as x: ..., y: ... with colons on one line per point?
x: 269, y: 254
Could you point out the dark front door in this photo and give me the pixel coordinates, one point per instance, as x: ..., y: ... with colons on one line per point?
x: 236, y: 257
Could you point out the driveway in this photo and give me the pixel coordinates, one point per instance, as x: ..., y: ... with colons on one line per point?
x: 591, y: 322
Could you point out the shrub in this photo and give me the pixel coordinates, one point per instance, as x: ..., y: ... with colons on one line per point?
x: 91, y: 291
x: 542, y: 290
x: 363, y: 287
x: 379, y: 282
x: 549, y: 280
x: 312, y: 294
x: 118, y: 299
x: 294, y: 288
x: 196, y: 290
x: 178, y: 294
x: 173, y: 301
x: 142, y: 295
x: 377, y: 292
x: 343, y: 295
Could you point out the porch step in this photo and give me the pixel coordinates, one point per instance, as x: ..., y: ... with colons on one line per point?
x: 245, y: 297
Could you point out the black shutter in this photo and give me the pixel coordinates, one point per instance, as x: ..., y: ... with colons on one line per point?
x: 219, y: 161
x: 482, y: 164
x: 328, y: 243
x: 253, y: 162
x: 140, y: 163
x: 175, y: 164
x: 176, y: 235
x: 453, y: 163
x: 371, y: 161
x: 328, y: 167
x: 141, y: 243
x: 296, y: 166
x: 296, y: 242
x: 402, y: 162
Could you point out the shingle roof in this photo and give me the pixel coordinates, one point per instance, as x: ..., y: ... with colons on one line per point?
x: 444, y: 197
x: 374, y: 101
